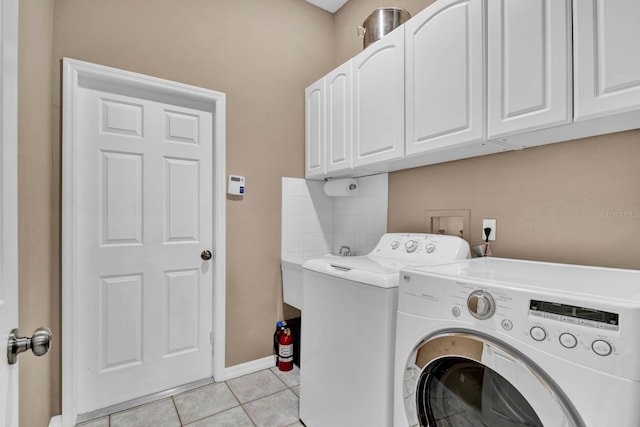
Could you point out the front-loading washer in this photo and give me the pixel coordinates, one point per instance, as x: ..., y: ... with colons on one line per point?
x: 497, y: 342
x: 348, y: 328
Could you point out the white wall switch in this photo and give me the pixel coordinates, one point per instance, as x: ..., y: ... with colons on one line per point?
x: 490, y: 223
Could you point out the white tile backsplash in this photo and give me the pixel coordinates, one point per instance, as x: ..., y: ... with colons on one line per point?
x: 307, y: 229
x: 360, y: 221
x: 314, y: 224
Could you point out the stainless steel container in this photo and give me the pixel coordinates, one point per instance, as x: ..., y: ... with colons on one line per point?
x: 381, y: 22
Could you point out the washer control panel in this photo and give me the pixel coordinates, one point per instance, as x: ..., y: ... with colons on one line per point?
x: 563, y: 315
x: 576, y: 315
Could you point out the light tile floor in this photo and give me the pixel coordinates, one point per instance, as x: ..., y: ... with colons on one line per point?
x: 267, y: 398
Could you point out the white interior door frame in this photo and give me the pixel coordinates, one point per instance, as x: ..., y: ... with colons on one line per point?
x: 74, y: 72
x: 8, y: 205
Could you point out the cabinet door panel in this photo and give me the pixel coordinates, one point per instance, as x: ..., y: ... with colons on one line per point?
x: 315, y: 129
x: 529, y: 65
x: 378, y: 99
x: 606, y: 36
x: 339, y: 118
x: 445, y: 76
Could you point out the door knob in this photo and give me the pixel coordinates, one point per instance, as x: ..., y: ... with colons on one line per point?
x: 39, y: 344
x: 206, y: 255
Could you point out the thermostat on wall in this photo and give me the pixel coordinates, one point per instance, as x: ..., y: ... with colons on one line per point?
x: 235, y: 185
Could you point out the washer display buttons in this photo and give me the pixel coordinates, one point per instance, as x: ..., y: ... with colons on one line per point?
x: 568, y: 340
x: 537, y: 333
x: 601, y: 348
x: 507, y: 324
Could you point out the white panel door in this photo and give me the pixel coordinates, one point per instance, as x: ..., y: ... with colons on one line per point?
x: 144, y: 214
x: 314, y: 96
x: 8, y: 207
x: 606, y: 36
x: 378, y: 98
x: 339, y: 111
x: 529, y: 65
x: 445, y: 76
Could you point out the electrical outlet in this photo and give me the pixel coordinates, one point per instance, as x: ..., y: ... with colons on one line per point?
x: 490, y: 223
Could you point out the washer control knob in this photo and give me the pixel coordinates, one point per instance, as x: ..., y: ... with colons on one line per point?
x: 601, y: 348
x: 395, y: 244
x: 538, y: 333
x: 411, y: 246
x: 568, y: 340
x: 481, y: 305
x: 430, y: 247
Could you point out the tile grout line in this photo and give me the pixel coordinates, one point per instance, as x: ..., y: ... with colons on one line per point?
x: 248, y: 416
x: 210, y: 415
x: 240, y: 403
x: 175, y: 407
x: 262, y: 397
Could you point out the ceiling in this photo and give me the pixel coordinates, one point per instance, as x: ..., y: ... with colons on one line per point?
x: 328, y: 5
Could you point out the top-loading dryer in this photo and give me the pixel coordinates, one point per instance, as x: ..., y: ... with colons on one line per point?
x: 348, y: 324
x: 497, y: 342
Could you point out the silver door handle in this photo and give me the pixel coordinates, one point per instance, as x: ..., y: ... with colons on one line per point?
x: 39, y: 344
x: 206, y: 255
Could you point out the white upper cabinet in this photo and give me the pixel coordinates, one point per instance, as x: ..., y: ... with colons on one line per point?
x: 445, y: 76
x: 339, y: 113
x: 315, y: 129
x: 378, y: 101
x: 529, y: 65
x: 606, y: 57
x: 466, y: 78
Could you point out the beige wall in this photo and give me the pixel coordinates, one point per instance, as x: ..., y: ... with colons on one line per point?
x: 39, y: 297
x: 575, y: 202
x: 261, y: 54
x: 551, y: 202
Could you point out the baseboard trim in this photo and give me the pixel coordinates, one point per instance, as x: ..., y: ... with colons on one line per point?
x: 56, y: 421
x: 247, y: 368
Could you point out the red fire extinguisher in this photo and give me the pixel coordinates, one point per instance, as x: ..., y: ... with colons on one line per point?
x: 285, y: 351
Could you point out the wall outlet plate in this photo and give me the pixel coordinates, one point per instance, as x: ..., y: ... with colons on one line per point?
x: 491, y: 223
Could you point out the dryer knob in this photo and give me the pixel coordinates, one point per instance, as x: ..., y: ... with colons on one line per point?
x: 481, y: 305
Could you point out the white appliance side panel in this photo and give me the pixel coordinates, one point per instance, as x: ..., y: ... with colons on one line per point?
x: 347, y: 348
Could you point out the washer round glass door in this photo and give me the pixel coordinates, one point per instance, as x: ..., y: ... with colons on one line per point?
x: 466, y: 379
